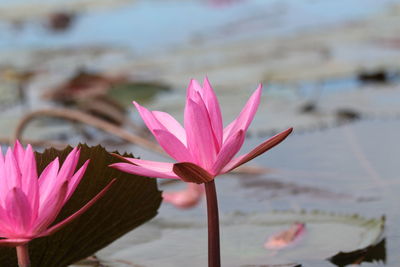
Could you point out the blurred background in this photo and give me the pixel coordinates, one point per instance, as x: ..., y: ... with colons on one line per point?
x: 70, y: 69
x: 321, y: 62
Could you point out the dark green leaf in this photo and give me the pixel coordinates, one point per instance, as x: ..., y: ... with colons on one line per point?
x: 130, y: 202
x: 123, y: 93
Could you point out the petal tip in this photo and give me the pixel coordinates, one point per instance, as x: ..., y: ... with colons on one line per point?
x: 17, y: 143
x: 259, y: 89
x: 288, y: 131
x: 137, y: 105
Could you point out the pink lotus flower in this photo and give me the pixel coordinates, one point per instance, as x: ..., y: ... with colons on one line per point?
x: 203, y: 149
x: 29, y: 204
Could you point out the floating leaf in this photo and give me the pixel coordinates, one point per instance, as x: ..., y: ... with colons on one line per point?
x: 130, y: 202
x: 374, y: 251
x: 242, y: 240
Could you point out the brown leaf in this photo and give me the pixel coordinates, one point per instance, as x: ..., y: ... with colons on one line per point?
x: 192, y: 173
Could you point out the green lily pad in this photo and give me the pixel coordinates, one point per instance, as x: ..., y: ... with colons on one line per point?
x: 131, y: 201
x: 142, y: 92
x: 242, y: 240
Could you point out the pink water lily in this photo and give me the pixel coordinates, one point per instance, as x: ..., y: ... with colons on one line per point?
x: 30, y: 203
x: 203, y: 148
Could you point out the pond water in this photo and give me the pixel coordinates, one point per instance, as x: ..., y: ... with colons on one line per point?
x: 338, y: 171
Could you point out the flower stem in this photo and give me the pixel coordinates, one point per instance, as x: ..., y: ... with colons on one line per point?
x: 23, y: 256
x: 214, y: 258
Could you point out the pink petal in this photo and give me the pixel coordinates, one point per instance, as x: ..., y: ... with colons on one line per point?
x: 270, y: 143
x: 285, y: 238
x: 12, y: 172
x: 187, y: 198
x: 75, y: 180
x: 172, y: 145
x: 158, y: 120
x: 246, y: 115
x: 192, y: 173
x: 138, y: 170
x: 167, y: 140
x: 48, y: 180
x: 69, y: 165
x: 29, y: 179
x: 171, y: 125
x: 82, y: 210
x: 193, y: 89
x: 3, y: 180
x: 213, y: 107
x: 153, y: 165
x: 18, y: 211
x: 149, y: 118
x: 4, y: 223
x: 228, y: 151
x: 200, y: 137
x: 50, y: 208
x: 19, y: 152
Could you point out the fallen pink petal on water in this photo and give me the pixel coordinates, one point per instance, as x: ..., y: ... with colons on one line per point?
x: 286, y: 238
x: 187, y: 198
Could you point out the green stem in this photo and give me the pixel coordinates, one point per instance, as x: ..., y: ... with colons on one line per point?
x: 23, y: 256
x: 214, y: 258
